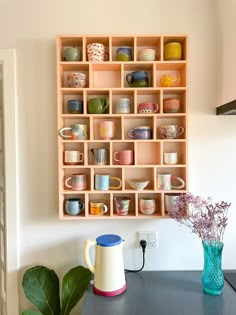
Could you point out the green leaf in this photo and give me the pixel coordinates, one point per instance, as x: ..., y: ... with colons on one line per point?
x: 74, y: 284
x: 29, y: 312
x: 41, y: 287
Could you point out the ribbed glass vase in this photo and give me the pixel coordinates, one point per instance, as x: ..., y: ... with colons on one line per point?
x: 212, y: 275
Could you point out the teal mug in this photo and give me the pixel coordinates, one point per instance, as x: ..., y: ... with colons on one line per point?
x: 98, y: 105
x: 137, y: 79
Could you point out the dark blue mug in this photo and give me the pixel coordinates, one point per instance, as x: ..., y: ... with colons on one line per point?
x: 75, y: 106
x: 137, y: 79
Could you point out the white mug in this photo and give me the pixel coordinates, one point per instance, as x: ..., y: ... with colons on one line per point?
x: 171, y: 158
x: 170, y: 200
x: 164, y: 182
x: 73, y: 157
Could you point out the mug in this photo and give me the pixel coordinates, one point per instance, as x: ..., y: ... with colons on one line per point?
x: 74, y: 206
x: 170, y: 200
x: 171, y: 105
x: 97, y: 207
x: 78, y: 182
x: 170, y: 158
x: 107, y: 129
x: 142, y: 132
x: 123, y: 105
x: 102, y: 182
x: 137, y: 79
x: 72, y: 54
x: 98, y: 105
x: 73, y: 157
x: 122, y: 205
x: 173, y: 51
x: 170, y: 80
x: 77, y: 80
x: 75, y: 106
x: 170, y: 131
x: 147, y: 108
x: 164, y: 182
x: 78, y: 132
x: 147, y: 54
x: 147, y: 205
x: 124, y: 53
x: 100, y: 156
x: 96, y: 52
x: 125, y: 157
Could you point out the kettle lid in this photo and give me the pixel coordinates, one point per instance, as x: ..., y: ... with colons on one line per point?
x: 108, y: 240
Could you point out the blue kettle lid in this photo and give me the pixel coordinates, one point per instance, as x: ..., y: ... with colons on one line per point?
x: 107, y: 240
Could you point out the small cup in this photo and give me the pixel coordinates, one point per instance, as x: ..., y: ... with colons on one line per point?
x: 171, y: 105
x: 107, y: 129
x: 170, y: 158
x: 170, y: 200
x: 97, y: 207
x: 78, y: 182
x: 147, y: 54
x: 123, y: 105
x: 165, y: 182
x: 124, y: 53
x: 142, y: 132
x: 72, y: 54
x: 100, y: 156
x: 170, y: 131
x: 170, y: 80
x: 96, y: 52
x: 73, y: 157
x: 76, y: 132
x: 122, y: 205
x: 173, y: 51
x: 74, y: 206
x: 124, y: 157
x: 77, y: 80
x: 147, y: 108
x: 75, y: 106
x: 103, y: 182
x: 147, y: 205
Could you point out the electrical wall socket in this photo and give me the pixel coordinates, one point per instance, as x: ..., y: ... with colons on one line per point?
x: 151, y: 237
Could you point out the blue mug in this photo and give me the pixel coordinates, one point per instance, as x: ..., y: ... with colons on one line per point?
x: 142, y: 132
x: 137, y: 79
x: 74, y: 206
x: 102, y: 182
x: 75, y: 106
x: 124, y: 53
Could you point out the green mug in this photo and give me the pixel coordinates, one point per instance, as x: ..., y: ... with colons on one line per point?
x: 98, y: 105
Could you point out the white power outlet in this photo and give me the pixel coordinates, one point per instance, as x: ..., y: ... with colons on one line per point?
x: 151, y: 237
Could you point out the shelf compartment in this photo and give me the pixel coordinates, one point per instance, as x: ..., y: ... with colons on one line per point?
x: 173, y: 38
x: 96, y: 127
x: 115, y: 172
x: 150, y: 42
x: 172, y: 120
x: 142, y: 173
x: 105, y: 75
x: 64, y: 42
x: 157, y: 198
x: 133, y: 122
x: 72, y: 120
x: 119, y: 146
x: 147, y: 96
x: 76, y: 195
x: 132, y: 206
x: 148, y: 153
x: 98, y: 145
x: 90, y: 94
x: 117, y: 94
x: 77, y: 95
x: 180, y: 148
x: 69, y: 68
x: 171, y: 69
x: 83, y: 171
x: 104, y: 197
x: 177, y: 171
x: 105, y: 40
x: 118, y: 41
x: 142, y: 66
x: 78, y: 146
x: 178, y: 94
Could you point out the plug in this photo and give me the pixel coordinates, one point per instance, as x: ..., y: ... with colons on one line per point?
x: 143, y: 244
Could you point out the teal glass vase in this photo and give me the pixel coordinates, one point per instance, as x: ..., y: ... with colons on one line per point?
x: 212, y: 275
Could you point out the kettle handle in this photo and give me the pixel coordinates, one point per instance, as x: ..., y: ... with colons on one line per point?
x: 87, y: 245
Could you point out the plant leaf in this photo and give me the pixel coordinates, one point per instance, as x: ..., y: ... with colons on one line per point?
x: 29, y: 312
x: 41, y: 287
x: 74, y: 284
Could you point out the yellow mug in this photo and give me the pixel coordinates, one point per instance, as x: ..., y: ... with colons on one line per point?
x: 97, y: 207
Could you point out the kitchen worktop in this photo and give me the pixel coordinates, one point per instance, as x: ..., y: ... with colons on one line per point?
x: 162, y: 293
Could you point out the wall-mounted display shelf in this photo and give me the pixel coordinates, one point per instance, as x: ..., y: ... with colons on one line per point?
x: 119, y: 116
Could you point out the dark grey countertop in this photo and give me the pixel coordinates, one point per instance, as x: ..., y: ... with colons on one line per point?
x: 162, y: 293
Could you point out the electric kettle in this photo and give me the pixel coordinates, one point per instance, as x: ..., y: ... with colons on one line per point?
x: 109, y: 274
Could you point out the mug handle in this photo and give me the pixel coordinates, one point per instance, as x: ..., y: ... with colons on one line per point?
x: 65, y: 136
x: 131, y: 133
x: 115, y: 156
x: 104, y: 208
x: 117, y: 179
x: 130, y: 79
x: 182, y: 183
x: 81, y: 205
x: 66, y: 182
x: 81, y: 157
x: 105, y: 103
x: 180, y: 131
x: 156, y: 107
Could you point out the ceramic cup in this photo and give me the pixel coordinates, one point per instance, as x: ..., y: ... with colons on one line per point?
x: 76, y: 132
x: 165, y: 182
x: 124, y: 157
x: 170, y: 158
x: 74, y: 206
x: 170, y: 131
x: 173, y: 51
x: 100, y: 156
x: 170, y: 201
x: 73, y: 157
x: 76, y: 182
x: 96, y: 52
x: 124, y: 53
x: 123, y: 105
x: 170, y: 80
x: 72, y: 54
x: 103, y: 182
x: 171, y: 105
x: 77, y: 80
x: 147, y: 108
x: 147, y: 54
x: 75, y: 106
x: 142, y: 132
x: 98, y: 105
x: 147, y: 205
x: 97, y: 207
x: 107, y: 129
x: 137, y: 79
x: 122, y: 205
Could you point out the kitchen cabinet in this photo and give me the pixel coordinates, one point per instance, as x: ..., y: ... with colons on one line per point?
x: 107, y: 79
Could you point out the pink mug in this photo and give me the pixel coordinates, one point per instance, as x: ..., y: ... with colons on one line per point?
x: 147, y: 108
x: 125, y: 157
x: 107, y: 129
x: 78, y: 182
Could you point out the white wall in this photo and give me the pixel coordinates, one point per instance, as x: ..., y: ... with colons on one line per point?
x: 31, y: 27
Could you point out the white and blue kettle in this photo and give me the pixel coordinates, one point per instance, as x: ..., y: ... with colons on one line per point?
x: 109, y: 274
